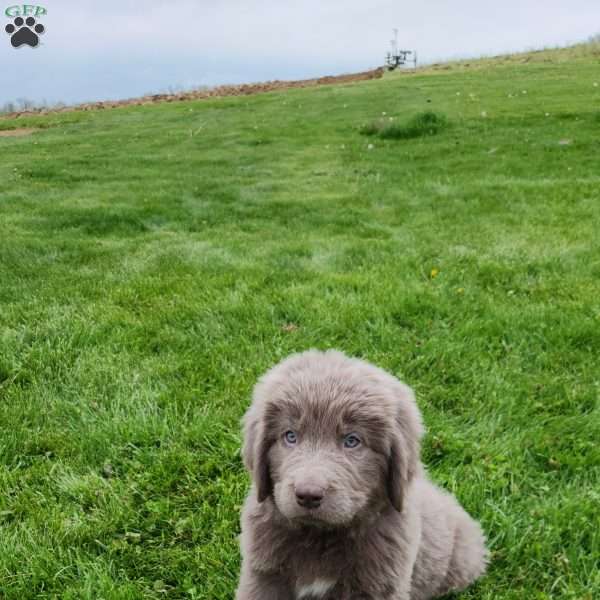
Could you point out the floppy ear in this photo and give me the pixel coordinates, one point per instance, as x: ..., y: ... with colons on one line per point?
x: 403, y: 459
x: 262, y: 470
x: 255, y: 453
x: 249, y: 426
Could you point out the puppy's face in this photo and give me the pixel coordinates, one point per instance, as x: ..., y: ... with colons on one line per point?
x: 330, y: 438
x: 326, y: 463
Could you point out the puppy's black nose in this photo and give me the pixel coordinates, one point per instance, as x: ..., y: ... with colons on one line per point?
x: 309, y: 497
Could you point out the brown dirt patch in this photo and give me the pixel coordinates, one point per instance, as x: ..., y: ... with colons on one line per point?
x: 17, y: 132
x: 220, y: 91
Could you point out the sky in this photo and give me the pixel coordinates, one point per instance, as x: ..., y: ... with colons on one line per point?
x: 97, y: 50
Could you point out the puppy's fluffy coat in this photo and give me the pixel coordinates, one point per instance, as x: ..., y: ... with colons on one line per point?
x: 341, y: 507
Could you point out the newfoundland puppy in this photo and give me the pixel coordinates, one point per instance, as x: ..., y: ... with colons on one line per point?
x: 341, y: 507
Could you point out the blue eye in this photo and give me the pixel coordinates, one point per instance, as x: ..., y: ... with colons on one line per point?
x: 290, y: 437
x: 351, y: 441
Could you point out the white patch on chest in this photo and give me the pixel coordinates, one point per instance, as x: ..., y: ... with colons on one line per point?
x: 317, y: 589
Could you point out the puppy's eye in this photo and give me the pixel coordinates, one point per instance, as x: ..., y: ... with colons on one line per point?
x: 351, y: 441
x: 290, y: 437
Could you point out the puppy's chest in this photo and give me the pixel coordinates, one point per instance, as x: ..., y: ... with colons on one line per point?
x: 336, y: 569
x: 313, y: 573
x: 317, y: 589
x: 329, y: 589
x: 317, y: 570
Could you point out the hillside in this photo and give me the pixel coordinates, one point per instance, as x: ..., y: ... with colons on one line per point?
x: 244, y: 89
x: 156, y: 259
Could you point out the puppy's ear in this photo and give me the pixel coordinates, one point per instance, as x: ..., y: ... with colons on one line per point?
x: 255, y: 453
x: 249, y: 426
x: 404, y: 453
x: 262, y: 469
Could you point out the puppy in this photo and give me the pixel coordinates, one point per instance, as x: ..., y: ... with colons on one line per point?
x: 341, y: 507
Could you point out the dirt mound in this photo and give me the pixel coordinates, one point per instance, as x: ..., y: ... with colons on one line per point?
x: 245, y: 89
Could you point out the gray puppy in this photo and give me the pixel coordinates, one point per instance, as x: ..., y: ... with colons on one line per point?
x: 341, y: 507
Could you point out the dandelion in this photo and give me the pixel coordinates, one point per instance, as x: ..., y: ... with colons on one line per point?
x: 434, y: 273
x: 460, y: 291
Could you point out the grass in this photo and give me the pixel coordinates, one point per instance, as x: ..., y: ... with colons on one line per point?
x: 155, y: 260
x: 424, y: 123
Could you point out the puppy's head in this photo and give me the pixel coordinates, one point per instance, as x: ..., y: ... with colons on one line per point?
x: 329, y: 436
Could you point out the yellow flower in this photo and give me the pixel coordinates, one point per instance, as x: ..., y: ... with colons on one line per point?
x: 434, y: 273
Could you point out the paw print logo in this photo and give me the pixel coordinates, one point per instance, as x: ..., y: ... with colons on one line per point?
x: 24, y: 31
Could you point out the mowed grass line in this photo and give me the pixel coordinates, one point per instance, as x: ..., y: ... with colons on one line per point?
x: 154, y: 261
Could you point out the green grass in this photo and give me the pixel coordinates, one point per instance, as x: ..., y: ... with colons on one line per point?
x: 419, y: 125
x: 155, y: 260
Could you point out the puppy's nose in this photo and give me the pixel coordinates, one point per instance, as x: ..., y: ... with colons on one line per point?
x: 309, y: 496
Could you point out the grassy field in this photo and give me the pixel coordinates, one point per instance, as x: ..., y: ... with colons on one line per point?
x: 154, y: 261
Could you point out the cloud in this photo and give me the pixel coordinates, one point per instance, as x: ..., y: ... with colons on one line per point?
x: 111, y: 49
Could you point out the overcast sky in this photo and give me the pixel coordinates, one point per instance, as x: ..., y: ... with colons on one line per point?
x: 94, y: 50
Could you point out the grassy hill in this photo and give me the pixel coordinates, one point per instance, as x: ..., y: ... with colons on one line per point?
x: 155, y: 260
